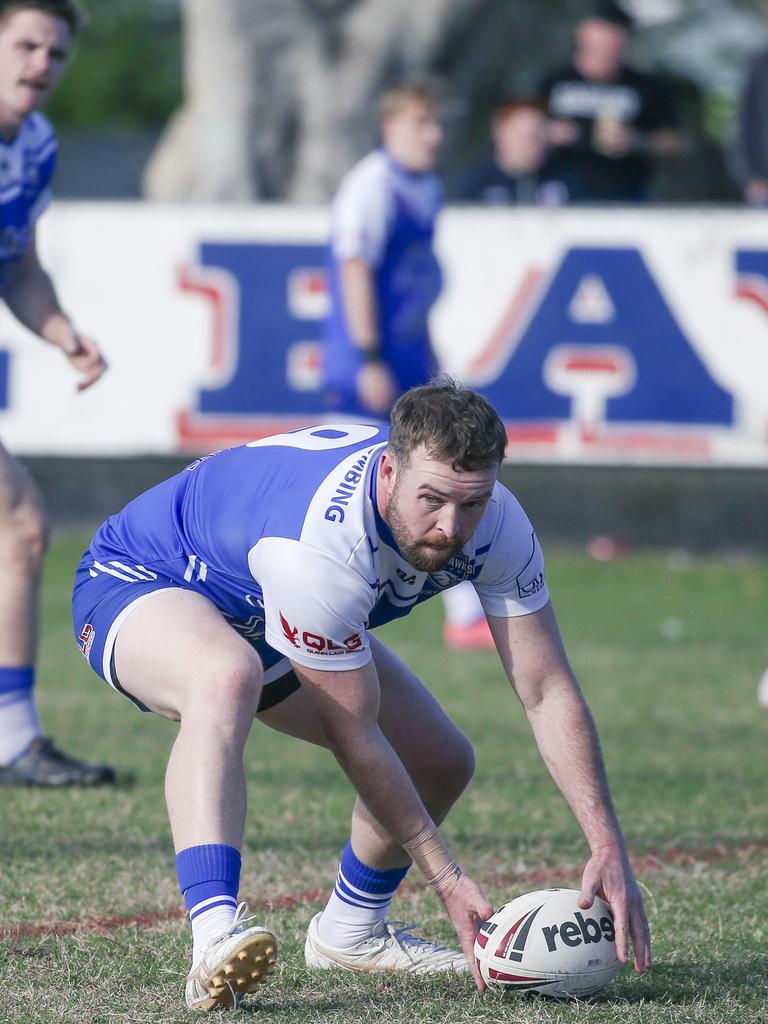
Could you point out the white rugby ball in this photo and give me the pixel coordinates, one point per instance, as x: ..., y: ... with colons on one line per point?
x: 543, y: 942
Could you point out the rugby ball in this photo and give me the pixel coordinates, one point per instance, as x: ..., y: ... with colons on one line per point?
x: 543, y: 942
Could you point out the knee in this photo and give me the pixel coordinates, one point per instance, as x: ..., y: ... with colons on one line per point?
x: 230, y: 688
x: 450, y: 774
x: 25, y: 533
x: 459, y: 766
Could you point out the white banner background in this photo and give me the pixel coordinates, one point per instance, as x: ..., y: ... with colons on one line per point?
x: 116, y: 269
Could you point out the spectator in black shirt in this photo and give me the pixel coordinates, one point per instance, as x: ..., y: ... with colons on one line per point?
x: 609, y: 121
x: 515, y: 172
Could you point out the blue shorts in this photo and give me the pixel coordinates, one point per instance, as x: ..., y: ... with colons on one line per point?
x: 102, y: 600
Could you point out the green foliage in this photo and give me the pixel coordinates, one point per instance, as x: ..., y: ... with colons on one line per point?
x: 670, y: 673
x: 126, y: 67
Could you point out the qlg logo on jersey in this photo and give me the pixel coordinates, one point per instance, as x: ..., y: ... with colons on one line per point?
x: 86, y: 638
x: 314, y: 643
x: 289, y: 632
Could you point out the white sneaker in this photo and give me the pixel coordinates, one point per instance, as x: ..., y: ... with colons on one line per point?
x: 762, y: 691
x: 235, y: 962
x: 389, y: 948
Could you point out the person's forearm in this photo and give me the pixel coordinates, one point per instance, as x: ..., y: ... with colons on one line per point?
x: 386, y: 789
x: 360, y: 307
x: 567, y: 739
x: 31, y: 297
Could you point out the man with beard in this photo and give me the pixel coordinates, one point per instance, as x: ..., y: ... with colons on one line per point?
x: 248, y: 585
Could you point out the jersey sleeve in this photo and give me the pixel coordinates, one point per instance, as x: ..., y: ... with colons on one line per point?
x: 315, y: 607
x: 362, y: 214
x: 45, y: 152
x: 511, y: 581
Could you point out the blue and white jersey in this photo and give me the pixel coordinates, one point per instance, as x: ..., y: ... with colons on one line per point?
x: 26, y: 170
x: 384, y: 215
x: 283, y: 535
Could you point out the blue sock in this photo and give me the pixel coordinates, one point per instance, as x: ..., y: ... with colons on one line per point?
x: 19, y: 724
x: 209, y: 878
x: 360, y: 898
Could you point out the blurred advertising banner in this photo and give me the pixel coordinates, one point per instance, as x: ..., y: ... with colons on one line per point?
x: 600, y: 335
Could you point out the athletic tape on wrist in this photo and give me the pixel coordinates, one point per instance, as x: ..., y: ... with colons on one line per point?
x: 428, y: 851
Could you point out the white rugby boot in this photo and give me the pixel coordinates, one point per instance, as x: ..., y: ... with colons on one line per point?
x: 390, y: 948
x: 234, y: 963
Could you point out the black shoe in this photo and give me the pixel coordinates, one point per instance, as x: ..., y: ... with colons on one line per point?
x: 42, y: 764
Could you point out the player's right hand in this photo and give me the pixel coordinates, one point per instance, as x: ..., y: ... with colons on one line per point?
x: 376, y: 388
x: 83, y: 353
x: 467, y: 908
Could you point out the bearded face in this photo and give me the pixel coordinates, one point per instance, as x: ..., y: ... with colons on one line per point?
x: 428, y: 552
x: 431, y: 508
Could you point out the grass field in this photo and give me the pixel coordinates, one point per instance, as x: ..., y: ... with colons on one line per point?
x: 669, y: 651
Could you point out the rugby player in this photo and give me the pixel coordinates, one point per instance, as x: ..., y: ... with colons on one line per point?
x: 35, y: 41
x: 248, y: 586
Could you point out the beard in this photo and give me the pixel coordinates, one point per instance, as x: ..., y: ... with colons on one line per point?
x: 426, y: 554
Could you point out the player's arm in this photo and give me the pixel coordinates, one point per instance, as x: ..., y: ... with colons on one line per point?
x: 31, y: 297
x: 358, y: 293
x: 375, y: 385
x: 347, y: 705
x: 535, y: 661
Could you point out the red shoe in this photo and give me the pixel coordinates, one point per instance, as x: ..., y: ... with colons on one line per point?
x: 476, y: 636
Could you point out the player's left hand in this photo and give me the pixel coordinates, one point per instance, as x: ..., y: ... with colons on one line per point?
x: 84, y: 356
x: 609, y: 875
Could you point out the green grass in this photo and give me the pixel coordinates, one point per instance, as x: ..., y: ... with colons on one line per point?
x: 669, y: 652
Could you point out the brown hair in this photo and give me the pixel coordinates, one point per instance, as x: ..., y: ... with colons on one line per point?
x: 65, y: 10
x: 508, y: 107
x: 416, y: 90
x: 454, y: 423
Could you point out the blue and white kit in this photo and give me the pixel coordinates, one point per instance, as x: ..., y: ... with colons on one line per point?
x: 284, y: 536
x: 26, y: 169
x: 384, y: 215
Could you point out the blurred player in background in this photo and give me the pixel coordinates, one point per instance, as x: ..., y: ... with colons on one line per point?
x: 384, y: 279
x: 213, y: 612
x: 35, y: 40
x: 515, y: 173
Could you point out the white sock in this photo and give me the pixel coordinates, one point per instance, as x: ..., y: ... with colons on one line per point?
x: 343, y: 926
x: 210, y: 918
x: 462, y: 605
x: 360, y: 898
x: 19, y: 724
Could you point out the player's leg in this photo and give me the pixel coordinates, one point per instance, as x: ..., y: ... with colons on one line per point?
x: 466, y: 627
x: 176, y: 655
x: 26, y: 757
x: 352, y: 929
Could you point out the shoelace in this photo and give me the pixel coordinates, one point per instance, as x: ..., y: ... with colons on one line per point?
x: 400, y: 932
x: 242, y: 918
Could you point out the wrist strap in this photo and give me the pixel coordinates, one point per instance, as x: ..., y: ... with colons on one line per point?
x: 370, y: 355
x: 428, y: 851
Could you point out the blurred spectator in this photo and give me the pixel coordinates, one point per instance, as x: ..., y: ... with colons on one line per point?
x: 515, y: 172
x: 610, y: 121
x: 384, y: 278
x: 749, y: 155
